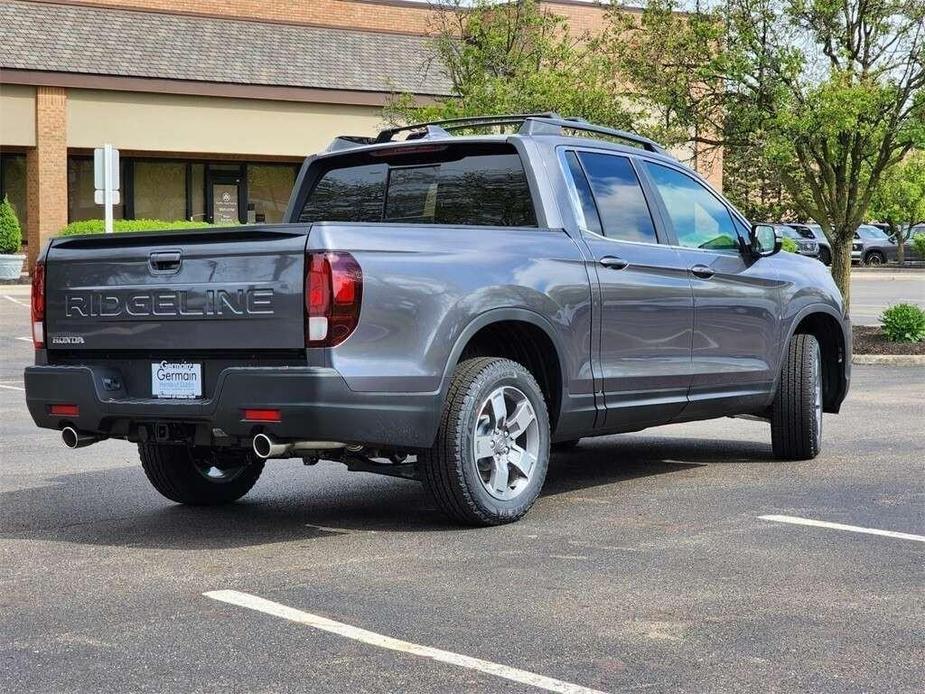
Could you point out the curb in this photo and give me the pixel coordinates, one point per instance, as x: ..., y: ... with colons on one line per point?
x: 889, y: 359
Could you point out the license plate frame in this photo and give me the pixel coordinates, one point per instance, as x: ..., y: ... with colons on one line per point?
x: 176, y: 380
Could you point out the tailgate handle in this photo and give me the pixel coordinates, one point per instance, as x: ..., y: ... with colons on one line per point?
x: 164, y: 262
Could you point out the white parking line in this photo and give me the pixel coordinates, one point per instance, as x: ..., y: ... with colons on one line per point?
x: 15, y: 301
x: 12, y: 387
x: 275, y: 609
x: 25, y: 339
x: 840, y: 526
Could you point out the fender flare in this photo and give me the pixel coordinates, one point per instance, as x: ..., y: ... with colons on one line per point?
x: 497, y: 315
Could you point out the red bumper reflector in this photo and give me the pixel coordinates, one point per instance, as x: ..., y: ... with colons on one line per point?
x: 64, y: 410
x: 262, y: 415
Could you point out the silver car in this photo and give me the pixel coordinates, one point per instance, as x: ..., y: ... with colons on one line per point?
x: 814, y: 231
x: 807, y: 246
x: 872, y: 246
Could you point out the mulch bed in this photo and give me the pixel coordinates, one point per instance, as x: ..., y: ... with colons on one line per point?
x: 870, y: 340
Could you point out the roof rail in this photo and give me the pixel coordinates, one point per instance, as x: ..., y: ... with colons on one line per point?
x: 553, y: 125
x: 460, y: 123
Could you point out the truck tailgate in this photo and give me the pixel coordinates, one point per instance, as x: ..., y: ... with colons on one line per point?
x: 205, y: 290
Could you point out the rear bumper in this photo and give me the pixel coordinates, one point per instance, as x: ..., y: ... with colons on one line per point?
x: 315, y: 404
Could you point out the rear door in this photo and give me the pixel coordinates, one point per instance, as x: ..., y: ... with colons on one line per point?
x: 646, y: 304
x: 736, y: 299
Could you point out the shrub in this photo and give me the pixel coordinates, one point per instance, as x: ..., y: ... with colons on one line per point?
x: 904, y: 323
x: 918, y: 243
x: 10, y: 231
x: 95, y: 226
x: 789, y: 245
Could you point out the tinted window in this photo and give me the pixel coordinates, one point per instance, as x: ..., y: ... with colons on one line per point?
x: 621, y: 205
x: 482, y: 189
x: 872, y: 233
x: 592, y: 221
x: 700, y: 220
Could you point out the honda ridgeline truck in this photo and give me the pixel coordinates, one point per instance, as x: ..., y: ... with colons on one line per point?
x: 443, y: 308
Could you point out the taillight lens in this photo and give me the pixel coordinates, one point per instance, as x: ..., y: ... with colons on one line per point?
x: 333, y: 294
x: 38, y: 305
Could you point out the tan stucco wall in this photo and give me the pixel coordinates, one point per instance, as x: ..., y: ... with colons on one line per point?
x: 173, y: 123
x: 17, y: 115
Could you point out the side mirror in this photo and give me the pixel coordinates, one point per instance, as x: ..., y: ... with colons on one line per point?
x: 763, y: 240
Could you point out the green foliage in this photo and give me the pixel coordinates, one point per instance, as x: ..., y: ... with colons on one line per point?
x: 789, y: 245
x: 10, y: 231
x: 904, y: 323
x: 900, y: 199
x: 96, y: 226
x: 918, y: 243
x: 516, y: 57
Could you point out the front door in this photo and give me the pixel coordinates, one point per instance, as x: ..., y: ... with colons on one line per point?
x: 736, y: 299
x: 225, y: 198
x: 646, y: 305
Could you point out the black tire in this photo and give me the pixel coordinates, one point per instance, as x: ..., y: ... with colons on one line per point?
x: 796, y: 415
x: 825, y: 255
x: 450, y: 470
x: 874, y: 258
x: 562, y: 446
x: 182, y: 473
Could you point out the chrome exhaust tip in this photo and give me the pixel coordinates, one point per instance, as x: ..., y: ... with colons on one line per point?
x: 75, y: 439
x: 266, y: 447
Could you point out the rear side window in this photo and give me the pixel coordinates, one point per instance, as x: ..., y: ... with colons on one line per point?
x: 621, y: 205
x: 488, y: 189
x: 699, y: 219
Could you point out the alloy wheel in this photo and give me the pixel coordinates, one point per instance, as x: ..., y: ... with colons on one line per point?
x: 506, y: 442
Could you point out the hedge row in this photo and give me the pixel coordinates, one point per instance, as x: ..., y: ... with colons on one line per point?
x: 95, y: 226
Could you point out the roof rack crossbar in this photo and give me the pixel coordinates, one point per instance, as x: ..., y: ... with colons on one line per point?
x: 459, y: 123
x: 539, y: 125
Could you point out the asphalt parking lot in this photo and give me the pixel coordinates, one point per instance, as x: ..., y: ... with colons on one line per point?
x: 646, y: 565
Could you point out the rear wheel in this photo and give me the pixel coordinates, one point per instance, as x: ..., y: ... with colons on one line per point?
x: 199, y: 476
x: 796, y: 415
x: 489, y: 460
x: 874, y: 258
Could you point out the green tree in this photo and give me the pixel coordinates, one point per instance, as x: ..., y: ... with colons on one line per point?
x: 899, y: 200
x: 823, y: 95
x: 10, y: 231
x: 516, y: 57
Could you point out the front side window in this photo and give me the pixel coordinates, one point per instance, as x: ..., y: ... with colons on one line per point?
x: 699, y: 219
x: 485, y: 188
x: 622, y: 207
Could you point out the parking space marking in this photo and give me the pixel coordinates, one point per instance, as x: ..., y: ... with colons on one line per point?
x: 12, y: 387
x: 794, y: 520
x: 253, y: 602
x: 25, y: 339
x: 15, y: 301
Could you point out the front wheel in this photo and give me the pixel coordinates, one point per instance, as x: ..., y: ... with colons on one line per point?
x: 199, y: 476
x: 489, y: 460
x: 874, y: 258
x: 796, y: 415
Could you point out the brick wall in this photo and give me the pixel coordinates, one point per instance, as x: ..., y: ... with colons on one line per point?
x: 46, y: 170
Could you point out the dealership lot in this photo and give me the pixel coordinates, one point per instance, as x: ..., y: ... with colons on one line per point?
x: 648, y: 564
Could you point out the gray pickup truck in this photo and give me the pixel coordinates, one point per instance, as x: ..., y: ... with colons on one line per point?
x: 440, y: 307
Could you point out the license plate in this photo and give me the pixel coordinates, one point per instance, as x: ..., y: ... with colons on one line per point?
x: 176, y: 380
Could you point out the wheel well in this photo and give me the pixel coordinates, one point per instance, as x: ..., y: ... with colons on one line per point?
x: 528, y: 345
x: 828, y: 333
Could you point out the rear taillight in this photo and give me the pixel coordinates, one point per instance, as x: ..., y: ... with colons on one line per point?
x: 333, y: 293
x: 38, y: 305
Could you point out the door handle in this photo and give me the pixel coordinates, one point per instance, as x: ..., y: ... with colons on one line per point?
x: 613, y: 263
x: 162, y: 262
x: 702, y: 271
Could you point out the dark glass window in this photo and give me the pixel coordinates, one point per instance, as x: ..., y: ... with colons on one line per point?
x: 620, y: 202
x: 13, y: 185
x: 699, y: 219
x: 592, y: 220
x: 479, y: 189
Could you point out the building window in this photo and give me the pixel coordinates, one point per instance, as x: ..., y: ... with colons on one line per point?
x: 13, y: 184
x: 268, y: 190
x: 80, y: 188
x: 159, y: 190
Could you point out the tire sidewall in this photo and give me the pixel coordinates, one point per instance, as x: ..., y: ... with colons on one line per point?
x: 496, y: 376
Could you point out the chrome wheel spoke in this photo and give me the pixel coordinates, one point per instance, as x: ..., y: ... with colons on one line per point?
x: 483, y: 447
x: 498, y: 407
x: 522, y: 460
x: 522, y: 418
x: 500, y: 476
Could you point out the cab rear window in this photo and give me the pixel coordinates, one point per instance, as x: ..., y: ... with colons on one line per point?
x: 481, y: 185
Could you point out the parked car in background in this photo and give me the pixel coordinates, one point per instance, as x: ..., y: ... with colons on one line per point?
x: 806, y: 245
x: 872, y: 246
x: 814, y: 231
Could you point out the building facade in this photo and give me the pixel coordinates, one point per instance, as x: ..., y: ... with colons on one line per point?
x: 212, y: 103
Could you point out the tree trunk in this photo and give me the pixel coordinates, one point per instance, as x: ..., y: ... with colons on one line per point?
x: 900, y: 250
x: 841, y: 266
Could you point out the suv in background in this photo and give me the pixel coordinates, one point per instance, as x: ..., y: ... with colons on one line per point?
x: 806, y: 242
x: 814, y: 231
x: 872, y: 246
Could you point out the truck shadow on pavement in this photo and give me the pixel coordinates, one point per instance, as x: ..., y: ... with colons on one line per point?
x: 117, y: 507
